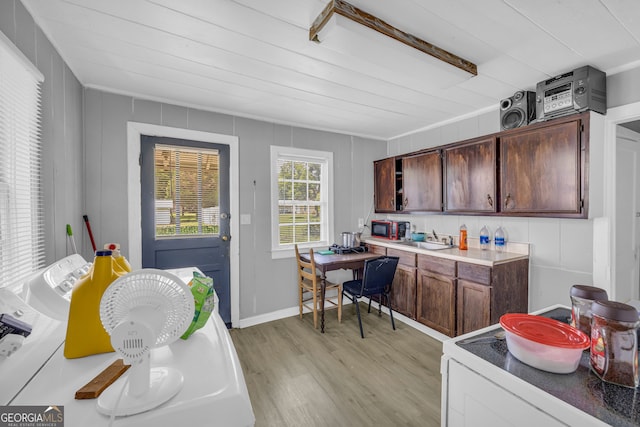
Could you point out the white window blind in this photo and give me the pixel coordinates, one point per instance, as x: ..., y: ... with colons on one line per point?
x: 187, y: 191
x: 21, y: 214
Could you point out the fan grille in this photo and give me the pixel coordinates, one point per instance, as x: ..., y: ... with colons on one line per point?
x: 152, y: 288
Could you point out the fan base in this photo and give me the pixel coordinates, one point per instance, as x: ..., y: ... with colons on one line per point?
x: 164, y: 384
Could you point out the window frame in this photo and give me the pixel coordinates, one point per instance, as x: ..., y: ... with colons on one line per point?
x: 325, y: 158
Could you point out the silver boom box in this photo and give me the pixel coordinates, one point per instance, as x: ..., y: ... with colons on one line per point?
x: 582, y: 89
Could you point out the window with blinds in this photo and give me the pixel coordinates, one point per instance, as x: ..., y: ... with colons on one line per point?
x: 21, y: 210
x: 301, y: 197
x: 186, y: 191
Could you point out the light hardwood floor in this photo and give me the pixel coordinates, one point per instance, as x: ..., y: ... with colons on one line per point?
x: 297, y: 376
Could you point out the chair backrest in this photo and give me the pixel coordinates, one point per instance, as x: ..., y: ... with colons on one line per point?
x: 306, y: 270
x: 378, y: 274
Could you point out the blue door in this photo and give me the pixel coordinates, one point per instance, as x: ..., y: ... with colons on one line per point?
x: 185, y: 209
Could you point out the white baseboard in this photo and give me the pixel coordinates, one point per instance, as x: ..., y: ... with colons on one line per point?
x: 269, y: 317
x: 294, y: 311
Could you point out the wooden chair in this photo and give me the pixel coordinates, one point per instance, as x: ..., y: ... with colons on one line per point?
x: 309, y: 289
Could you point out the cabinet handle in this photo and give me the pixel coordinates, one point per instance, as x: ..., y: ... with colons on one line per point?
x: 391, y: 203
x: 506, y: 201
x: 406, y: 202
x: 489, y: 200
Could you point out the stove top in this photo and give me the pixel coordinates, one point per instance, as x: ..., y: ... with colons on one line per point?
x: 345, y: 250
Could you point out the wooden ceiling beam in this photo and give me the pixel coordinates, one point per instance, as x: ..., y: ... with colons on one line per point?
x: 351, y: 12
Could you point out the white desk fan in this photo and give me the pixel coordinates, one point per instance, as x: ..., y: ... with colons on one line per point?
x: 142, y: 310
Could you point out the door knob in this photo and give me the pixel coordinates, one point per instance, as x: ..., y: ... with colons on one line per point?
x: 225, y: 237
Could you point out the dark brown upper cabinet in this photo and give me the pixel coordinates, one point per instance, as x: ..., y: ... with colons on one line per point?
x: 422, y: 182
x: 470, y: 176
x: 385, y: 187
x: 542, y: 169
x: 537, y: 170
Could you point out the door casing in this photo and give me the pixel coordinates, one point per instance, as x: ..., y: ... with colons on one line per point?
x: 627, y: 207
x: 605, y: 276
x: 134, y: 132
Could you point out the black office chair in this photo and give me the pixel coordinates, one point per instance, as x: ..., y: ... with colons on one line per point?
x: 376, y: 280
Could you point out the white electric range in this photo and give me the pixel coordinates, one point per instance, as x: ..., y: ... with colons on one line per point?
x: 214, y: 391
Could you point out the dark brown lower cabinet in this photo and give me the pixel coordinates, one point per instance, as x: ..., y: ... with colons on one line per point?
x: 403, y: 290
x: 486, y: 293
x: 456, y: 297
x: 436, y: 296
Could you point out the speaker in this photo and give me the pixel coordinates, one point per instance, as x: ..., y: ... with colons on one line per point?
x: 518, y: 110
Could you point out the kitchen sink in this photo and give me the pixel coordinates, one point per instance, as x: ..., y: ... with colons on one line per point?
x: 431, y: 246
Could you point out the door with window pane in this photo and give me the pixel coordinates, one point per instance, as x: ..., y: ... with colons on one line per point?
x: 185, y: 209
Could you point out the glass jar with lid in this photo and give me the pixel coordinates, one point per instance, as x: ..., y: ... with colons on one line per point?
x: 614, y: 343
x: 582, y: 296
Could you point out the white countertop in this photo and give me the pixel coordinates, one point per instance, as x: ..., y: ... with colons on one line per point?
x: 474, y: 255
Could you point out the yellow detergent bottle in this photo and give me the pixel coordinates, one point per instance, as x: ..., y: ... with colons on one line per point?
x: 121, y: 264
x: 85, y: 333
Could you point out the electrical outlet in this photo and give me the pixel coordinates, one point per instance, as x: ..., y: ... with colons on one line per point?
x: 360, y: 222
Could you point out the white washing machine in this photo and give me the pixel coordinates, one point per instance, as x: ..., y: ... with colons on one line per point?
x: 214, y: 391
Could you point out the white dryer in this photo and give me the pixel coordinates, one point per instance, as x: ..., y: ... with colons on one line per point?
x: 214, y: 391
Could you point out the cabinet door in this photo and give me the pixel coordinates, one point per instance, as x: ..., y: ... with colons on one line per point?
x: 474, y: 306
x: 403, y: 291
x: 541, y: 170
x: 422, y: 182
x: 385, y: 185
x: 470, y: 176
x: 436, y: 306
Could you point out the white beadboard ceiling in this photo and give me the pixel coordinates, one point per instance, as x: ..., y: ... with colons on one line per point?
x: 253, y: 58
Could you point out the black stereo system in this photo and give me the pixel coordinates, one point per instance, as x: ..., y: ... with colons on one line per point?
x: 517, y: 110
x: 579, y: 90
x: 583, y: 89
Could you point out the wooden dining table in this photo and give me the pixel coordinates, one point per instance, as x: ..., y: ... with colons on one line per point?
x: 324, y: 263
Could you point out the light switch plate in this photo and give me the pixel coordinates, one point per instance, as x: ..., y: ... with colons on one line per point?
x: 245, y: 219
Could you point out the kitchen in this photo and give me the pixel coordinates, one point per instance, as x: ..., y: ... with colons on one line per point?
x: 84, y: 125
